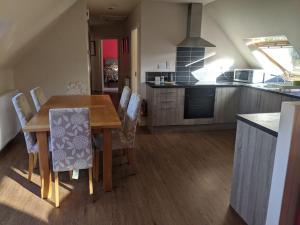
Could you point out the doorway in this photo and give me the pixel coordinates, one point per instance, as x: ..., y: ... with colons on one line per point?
x: 110, y: 65
x: 134, y: 60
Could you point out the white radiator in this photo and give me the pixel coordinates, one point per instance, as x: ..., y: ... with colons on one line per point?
x: 9, y: 123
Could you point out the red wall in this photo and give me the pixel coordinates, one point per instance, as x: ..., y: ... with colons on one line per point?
x: 110, y: 49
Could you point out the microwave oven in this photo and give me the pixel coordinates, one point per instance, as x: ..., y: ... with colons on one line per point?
x: 251, y: 76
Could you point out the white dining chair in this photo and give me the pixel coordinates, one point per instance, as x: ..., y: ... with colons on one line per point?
x: 123, y: 104
x: 77, y: 88
x: 123, y: 139
x: 25, y: 113
x: 38, y: 98
x: 71, y: 143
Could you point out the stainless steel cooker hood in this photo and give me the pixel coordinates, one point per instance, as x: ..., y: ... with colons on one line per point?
x: 194, y: 23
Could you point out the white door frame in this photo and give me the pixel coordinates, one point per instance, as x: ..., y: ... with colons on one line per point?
x: 134, y: 59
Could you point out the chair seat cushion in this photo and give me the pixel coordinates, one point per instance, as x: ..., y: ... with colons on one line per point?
x: 119, y: 141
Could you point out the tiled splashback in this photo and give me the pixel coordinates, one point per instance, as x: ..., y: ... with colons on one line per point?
x: 185, y: 56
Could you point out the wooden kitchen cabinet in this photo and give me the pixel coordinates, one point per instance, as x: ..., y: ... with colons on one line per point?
x: 252, y: 173
x: 249, y: 101
x: 163, y: 106
x: 289, y: 99
x: 269, y: 102
x: 166, y: 105
x: 259, y: 101
x: 227, y: 102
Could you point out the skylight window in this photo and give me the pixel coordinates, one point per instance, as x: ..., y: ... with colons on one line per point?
x: 277, y: 56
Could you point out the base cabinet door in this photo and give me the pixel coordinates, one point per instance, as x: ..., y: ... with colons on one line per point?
x: 249, y: 101
x: 252, y: 173
x: 227, y: 101
x: 269, y: 102
x: 162, y: 106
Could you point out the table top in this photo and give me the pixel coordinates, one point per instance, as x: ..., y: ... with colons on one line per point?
x: 102, y: 111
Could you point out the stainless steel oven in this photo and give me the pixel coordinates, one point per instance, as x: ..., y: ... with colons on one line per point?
x: 249, y: 75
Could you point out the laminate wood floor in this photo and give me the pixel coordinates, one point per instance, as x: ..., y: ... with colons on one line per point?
x: 182, y: 179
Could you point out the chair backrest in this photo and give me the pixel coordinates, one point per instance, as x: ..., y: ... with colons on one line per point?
x: 38, y: 98
x: 131, y: 117
x: 124, y: 102
x: 24, y: 113
x: 71, y: 143
x: 77, y: 88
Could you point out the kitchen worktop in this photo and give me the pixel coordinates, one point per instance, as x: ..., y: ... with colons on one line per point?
x: 193, y: 84
x: 268, y: 122
x: 292, y: 92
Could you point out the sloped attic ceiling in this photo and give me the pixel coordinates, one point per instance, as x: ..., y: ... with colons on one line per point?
x: 22, y: 21
x: 257, y: 18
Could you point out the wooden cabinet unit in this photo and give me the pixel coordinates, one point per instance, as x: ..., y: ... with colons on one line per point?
x: 260, y: 101
x: 249, y: 101
x: 227, y: 102
x: 163, y: 107
x: 166, y: 105
x: 252, y: 173
x: 269, y: 102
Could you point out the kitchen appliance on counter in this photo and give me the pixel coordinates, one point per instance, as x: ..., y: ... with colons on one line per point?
x: 251, y: 76
x: 199, y: 102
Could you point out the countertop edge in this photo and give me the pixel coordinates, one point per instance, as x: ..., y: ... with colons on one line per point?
x: 223, y: 85
x: 258, y: 126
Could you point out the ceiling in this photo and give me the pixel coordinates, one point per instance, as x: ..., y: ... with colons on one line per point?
x: 104, y: 12
x: 112, y: 7
x: 19, y: 25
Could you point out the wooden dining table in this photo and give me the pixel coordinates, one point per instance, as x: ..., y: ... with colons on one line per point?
x: 103, y: 118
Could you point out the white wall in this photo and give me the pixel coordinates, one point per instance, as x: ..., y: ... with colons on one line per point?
x: 163, y: 26
x: 256, y: 18
x: 59, y: 56
x: 6, y: 80
x: 22, y: 21
x: 212, y: 32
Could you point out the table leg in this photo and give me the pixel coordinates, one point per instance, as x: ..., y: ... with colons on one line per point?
x: 107, y: 159
x: 44, y: 164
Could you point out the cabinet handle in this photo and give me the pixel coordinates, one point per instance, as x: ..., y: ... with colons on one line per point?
x: 167, y: 101
x: 165, y: 93
x: 167, y: 108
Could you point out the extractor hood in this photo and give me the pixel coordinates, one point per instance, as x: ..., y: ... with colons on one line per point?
x: 194, y: 23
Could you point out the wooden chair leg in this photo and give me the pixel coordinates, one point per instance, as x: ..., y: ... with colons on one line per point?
x: 131, y: 159
x: 30, y: 165
x: 94, y: 163
x: 50, y: 187
x: 56, y: 189
x: 35, y: 160
x: 97, y: 166
x: 91, y: 181
x: 71, y: 174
